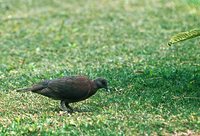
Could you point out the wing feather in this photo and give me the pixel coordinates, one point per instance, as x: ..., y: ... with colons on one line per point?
x: 70, y: 88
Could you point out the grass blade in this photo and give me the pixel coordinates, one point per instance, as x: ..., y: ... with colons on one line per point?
x: 184, y: 36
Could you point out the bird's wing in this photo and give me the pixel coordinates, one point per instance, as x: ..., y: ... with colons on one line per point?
x: 72, y: 88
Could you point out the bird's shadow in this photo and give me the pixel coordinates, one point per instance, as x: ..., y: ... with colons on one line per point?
x: 75, y: 110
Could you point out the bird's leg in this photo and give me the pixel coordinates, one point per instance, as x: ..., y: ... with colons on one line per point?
x: 70, y: 108
x: 65, y: 106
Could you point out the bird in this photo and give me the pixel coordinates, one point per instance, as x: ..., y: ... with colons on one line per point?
x: 68, y: 90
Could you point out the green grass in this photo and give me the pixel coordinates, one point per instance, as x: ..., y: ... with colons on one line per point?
x: 154, y: 87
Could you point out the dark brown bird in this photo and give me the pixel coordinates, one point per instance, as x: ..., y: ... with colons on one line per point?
x: 68, y: 89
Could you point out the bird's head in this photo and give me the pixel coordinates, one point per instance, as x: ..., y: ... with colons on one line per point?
x: 101, y: 83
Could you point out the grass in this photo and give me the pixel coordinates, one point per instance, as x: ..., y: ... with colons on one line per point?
x: 154, y: 87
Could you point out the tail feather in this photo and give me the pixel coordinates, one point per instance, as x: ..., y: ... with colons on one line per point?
x: 23, y: 90
x: 34, y: 88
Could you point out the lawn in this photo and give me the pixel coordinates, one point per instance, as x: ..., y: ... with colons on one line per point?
x: 154, y: 88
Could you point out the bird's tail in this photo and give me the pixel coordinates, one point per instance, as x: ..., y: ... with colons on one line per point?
x: 23, y: 89
x: 34, y: 88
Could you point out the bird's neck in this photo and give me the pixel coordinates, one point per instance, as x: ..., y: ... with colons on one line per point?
x: 93, y: 89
